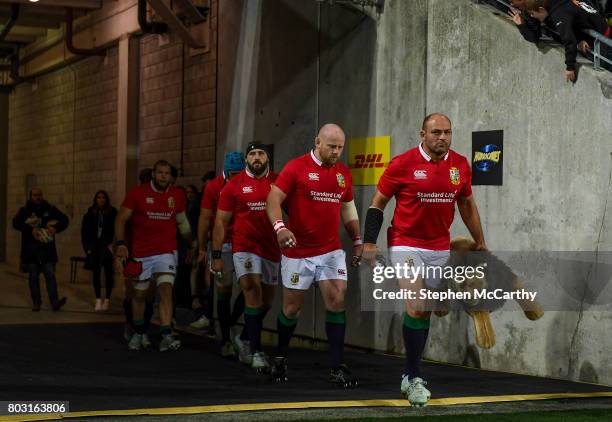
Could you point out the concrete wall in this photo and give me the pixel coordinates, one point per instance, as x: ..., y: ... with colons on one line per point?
x: 381, y: 77
x: 167, y: 71
x: 63, y: 129
x: 557, y: 174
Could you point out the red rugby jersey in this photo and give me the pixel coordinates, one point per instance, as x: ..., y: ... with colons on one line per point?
x: 210, y: 200
x: 245, y: 196
x: 425, y: 194
x: 153, y: 221
x: 315, y: 194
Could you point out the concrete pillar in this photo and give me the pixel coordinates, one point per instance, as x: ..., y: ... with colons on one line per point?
x: 128, y: 94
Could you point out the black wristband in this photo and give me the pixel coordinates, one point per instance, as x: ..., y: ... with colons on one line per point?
x: 373, y: 223
x: 120, y: 242
x: 216, y: 254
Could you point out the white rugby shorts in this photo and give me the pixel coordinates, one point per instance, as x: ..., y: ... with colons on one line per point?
x: 429, y: 261
x: 300, y: 273
x: 155, y: 264
x: 249, y: 263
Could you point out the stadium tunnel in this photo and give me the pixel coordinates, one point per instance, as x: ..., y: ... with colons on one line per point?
x: 222, y: 73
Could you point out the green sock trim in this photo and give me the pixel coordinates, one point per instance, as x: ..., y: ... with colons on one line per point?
x: 252, y: 311
x: 415, y: 323
x: 335, y: 317
x: 286, y: 321
x: 138, y: 322
x: 165, y: 329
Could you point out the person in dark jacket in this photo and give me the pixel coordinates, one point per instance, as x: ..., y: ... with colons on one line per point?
x: 569, y: 18
x: 530, y: 28
x: 97, y: 236
x: 39, y: 222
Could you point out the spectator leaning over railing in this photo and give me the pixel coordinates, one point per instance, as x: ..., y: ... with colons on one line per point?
x: 530, y: 28
x: 569, y: 18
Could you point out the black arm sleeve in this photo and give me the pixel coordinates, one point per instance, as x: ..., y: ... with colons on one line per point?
x: 373, y: 223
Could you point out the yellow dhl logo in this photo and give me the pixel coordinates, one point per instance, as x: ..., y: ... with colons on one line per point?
x: 487, y: 156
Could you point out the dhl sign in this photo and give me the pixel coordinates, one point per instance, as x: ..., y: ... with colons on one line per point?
x: 368, y: 158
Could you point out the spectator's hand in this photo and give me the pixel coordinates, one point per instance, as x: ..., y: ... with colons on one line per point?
x: 583, y: 47
x: 286, y: 239
x: 51, y: 230
x: 570, y: 76
x: 515, y: 16
x: 33, y: 221
x: 122, y: 252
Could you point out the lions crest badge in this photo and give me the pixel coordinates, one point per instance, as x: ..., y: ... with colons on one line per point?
x: 340, y: 179
x: 454, y: 176
x: 295, y: 279
x: 171, y: 202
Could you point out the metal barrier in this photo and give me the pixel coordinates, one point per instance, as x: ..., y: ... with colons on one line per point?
x: 598, y: 57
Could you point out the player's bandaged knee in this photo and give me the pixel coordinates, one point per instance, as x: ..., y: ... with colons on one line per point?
x: 349, y: 212
x: 373, y: 223
x: 165, y: 278
x: 183, y: 224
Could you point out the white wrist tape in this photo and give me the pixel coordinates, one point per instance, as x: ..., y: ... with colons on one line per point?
x: 279, y: 225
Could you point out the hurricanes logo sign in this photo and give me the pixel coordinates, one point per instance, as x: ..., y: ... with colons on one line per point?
x: 340, y: 178
x: 454, y: 176
x: 487, y: 158
x: 295, y: 279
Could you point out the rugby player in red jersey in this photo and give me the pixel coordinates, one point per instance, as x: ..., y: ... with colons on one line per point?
x: 316, y: 191
x: 154, y: 210
x: 255, y: 250
x: 426, y: 182
x: 234, y: 164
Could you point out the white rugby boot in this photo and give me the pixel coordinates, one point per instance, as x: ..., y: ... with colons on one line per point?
x: 414, y: 390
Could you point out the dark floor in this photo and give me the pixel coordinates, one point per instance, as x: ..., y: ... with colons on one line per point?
x: 89, y: 366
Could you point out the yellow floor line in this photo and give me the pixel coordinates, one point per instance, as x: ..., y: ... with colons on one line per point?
x: 449, y: 401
